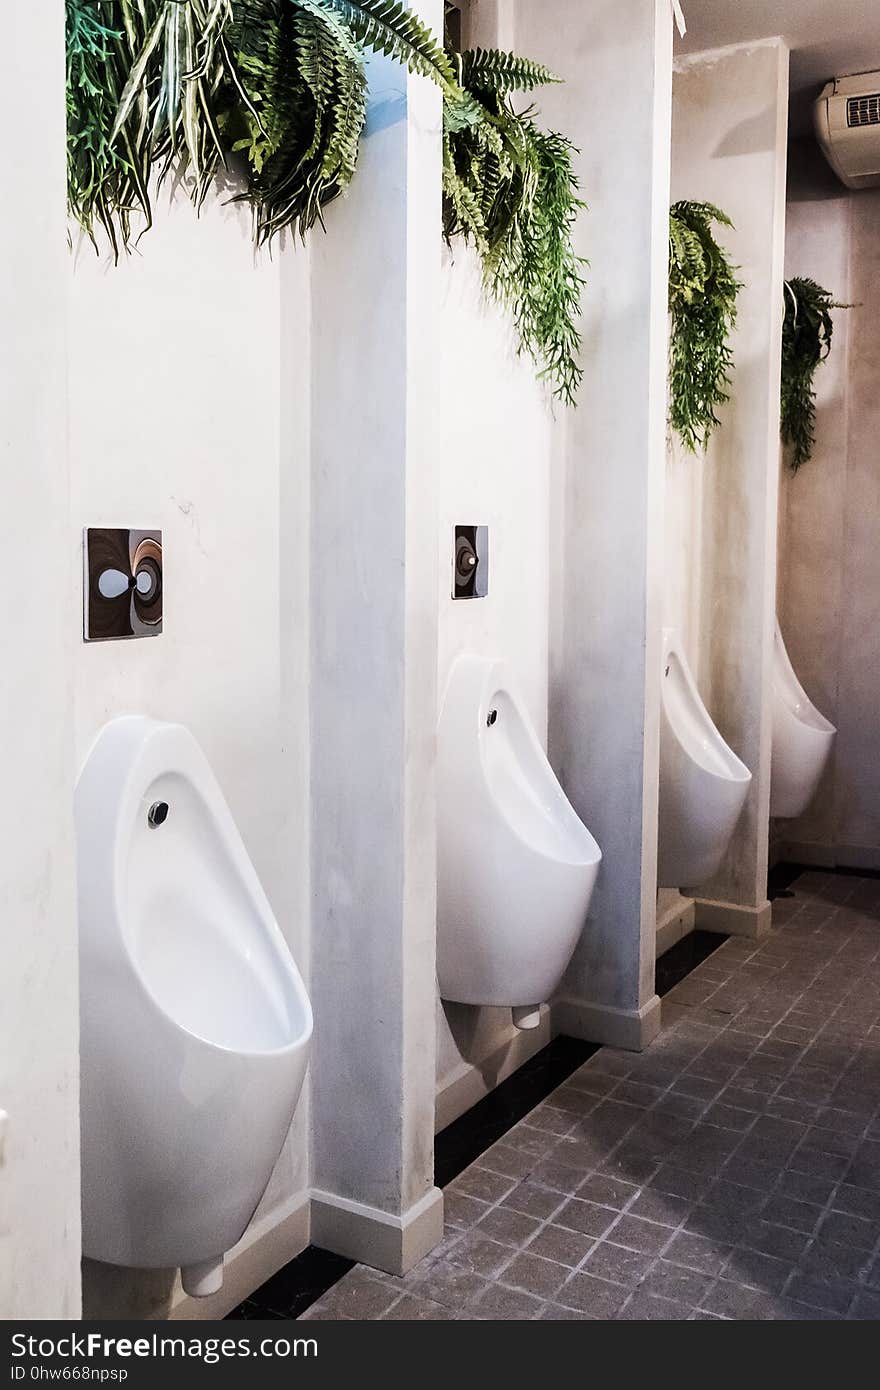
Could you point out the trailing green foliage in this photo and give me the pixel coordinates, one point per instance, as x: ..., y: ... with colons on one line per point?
x: 510, y: 189
x: 186, y: 84
x: 702, y: 306
x: 807, y: 329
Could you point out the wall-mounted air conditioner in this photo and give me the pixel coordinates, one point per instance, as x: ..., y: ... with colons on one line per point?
x: 847, y: 117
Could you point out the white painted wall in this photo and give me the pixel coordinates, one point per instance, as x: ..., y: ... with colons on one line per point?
x: 728, y: 147
x: 189, y: 373
x: 39, y: 1153
x: 494, y: 437
x: 829, y: 576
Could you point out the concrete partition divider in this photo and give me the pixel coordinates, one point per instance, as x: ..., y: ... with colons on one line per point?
x: 606, y: 589
x: 373, y: 687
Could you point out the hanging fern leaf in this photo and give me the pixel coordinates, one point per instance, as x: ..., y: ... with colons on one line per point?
x: 107, y: 170
x: 389, y: 27
x: 807, y: 330
x: 161, y: 84
x: 491, y: 70
x: 703, y: 290
x: 509, y: 189
x: 182, y: 85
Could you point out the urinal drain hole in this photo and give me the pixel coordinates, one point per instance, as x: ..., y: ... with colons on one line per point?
x: 158, y: 813
x: 493, y: 715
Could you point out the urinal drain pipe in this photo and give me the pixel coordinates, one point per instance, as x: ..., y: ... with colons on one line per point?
x: 526, y: 1015
x: 203, y: 1278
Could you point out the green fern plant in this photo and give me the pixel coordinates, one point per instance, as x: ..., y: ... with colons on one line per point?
x: 807, y: 330
x: 156, y: 85
x: 703, y: 291
x: 509, y: 188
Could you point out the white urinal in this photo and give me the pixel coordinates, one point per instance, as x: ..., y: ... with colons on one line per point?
x: 515, y: 867
x: 195, y: 1021
x: 802, y: 740
x: 703, y: 784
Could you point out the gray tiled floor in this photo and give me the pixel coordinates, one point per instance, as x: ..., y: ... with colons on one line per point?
x: 731, y: 1171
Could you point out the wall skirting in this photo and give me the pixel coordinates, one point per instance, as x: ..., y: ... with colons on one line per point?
x: 264, y: 1248
x: 732, y: 918
x: 374, y: 1237
x: 675, y: 923
x: 631, y: 1029
x: 470, y: 1082
x: 832, y: 856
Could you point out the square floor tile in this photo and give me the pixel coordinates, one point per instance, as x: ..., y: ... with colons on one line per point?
x: 533, y: 1200
x: 501, y: 1304
x: 607, y: 1191
x: 535, y: 1275
x: 646, y: 1307
x: 508, y: 1226
x: 595, y: 1297
x: 558, y: 1243
x: 698, y: 1253
x: 586, y: 1217
x: 478, y: 1254
x: 668, y: 1280
x: 617, y: 1264
x: 638, y: 1234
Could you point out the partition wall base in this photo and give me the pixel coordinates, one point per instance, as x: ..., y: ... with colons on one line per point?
x: 378, y: 1238
x: 630, y: 1029
x: 471, y: 1082
x: 675, y: 921
x: 732, y: 919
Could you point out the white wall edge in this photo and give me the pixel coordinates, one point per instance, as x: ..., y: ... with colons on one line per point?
x: 716, y: 55
x: 468, y: 1083
x: 265, y: 1247
x: 378, y: 1238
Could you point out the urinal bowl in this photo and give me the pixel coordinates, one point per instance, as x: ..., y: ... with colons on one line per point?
x: 703, y: 784
x: 195, y: 1024
x: 802, y: 740
x: 698, y: 813
x: 172, y: 1172
x: 516, y: 867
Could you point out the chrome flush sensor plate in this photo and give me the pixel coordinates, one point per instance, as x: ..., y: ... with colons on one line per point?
x: 122, y: 591
x: 470, y: 564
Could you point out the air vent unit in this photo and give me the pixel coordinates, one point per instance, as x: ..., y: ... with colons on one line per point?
x: 848, y: 128
x: 863, y: 110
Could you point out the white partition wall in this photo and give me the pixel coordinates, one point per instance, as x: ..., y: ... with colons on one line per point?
x: 605, y: 598
x: 373, y: 695
x: 39, y: 1067
x: 729, y: 133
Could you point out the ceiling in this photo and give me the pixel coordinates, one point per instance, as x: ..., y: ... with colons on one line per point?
x: 828, y: 38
